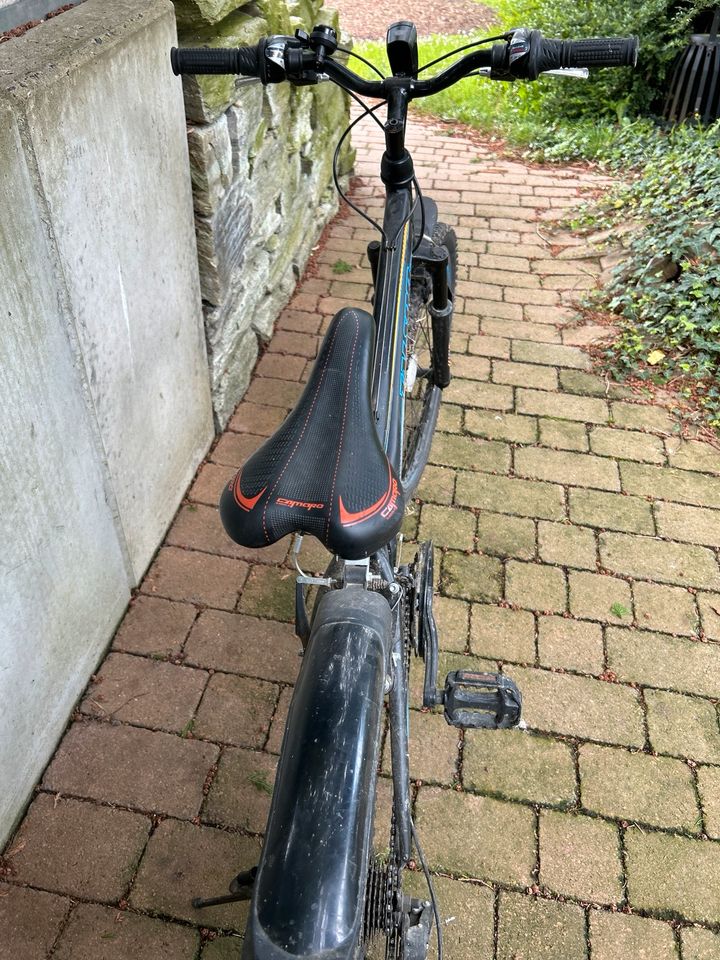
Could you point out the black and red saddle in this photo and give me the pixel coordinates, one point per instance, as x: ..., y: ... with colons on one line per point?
x: 324, y: 472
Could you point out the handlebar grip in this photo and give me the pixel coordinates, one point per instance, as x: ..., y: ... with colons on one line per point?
x: 595, y: 52
x: 601, y: 52
x: 237, y: 60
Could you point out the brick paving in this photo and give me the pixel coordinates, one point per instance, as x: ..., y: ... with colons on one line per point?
x: 577, y: 536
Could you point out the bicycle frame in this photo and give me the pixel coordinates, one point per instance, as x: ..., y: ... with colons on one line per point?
x: 309, y: 892
x: 391, y: 309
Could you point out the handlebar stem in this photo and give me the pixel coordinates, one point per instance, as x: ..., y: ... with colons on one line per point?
x: 397, y: 93
x: 396, y: 169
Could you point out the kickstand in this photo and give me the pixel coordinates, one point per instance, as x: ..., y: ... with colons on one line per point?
x: 241, y: 888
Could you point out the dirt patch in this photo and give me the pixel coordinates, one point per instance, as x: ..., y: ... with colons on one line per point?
x: 365, y: 20
x: 24, y: 27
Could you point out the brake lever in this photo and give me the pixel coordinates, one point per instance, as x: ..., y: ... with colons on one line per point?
x: 580, y: 73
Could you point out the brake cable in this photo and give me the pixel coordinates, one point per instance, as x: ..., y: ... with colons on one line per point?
x: 422, y: 215
x: 431, y: 889
x: 367, y: 63
x: 370, y: 111
x: 468, y: 46
x: 367, y: 111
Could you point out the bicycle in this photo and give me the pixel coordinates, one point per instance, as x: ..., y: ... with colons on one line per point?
x: 342, y: 467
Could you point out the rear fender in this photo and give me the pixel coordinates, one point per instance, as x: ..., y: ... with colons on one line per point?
x: 308, y: 897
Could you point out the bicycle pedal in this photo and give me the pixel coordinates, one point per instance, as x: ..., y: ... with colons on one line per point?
x: 487, y: 701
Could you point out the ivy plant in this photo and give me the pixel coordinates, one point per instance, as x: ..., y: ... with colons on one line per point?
x: 666, y: 290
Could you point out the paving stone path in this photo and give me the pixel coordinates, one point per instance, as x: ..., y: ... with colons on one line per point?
x: 579, y: 540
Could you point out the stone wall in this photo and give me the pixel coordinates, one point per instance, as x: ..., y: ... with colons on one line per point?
x: 260, y: 162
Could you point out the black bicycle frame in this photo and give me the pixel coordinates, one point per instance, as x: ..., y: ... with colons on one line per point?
x: 392, y: 279
x: 392, y: 291
x: 308, y: 894
x: 391, y: 316
x: 392, y: 262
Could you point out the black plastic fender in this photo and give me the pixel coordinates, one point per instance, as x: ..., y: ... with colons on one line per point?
x: 308, y: 897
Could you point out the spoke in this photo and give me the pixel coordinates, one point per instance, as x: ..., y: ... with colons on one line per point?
x: 419, y: 340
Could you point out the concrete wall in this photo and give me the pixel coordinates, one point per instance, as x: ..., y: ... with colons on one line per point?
x: 105, y: 406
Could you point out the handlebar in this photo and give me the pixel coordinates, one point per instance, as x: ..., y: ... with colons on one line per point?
x: 304, y: 59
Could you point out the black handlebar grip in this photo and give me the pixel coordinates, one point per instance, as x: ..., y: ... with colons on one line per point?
x: 596, y: 52
x: 238, y: 60
x: 601, y: 52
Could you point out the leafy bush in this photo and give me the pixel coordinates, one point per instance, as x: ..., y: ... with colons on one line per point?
x: 666, y: 292
x: 663, y: 27
x: 667, y: 289
x: 537, y: 114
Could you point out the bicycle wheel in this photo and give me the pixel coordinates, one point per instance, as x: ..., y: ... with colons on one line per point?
x: 422, y: 396
x: 397, y: 924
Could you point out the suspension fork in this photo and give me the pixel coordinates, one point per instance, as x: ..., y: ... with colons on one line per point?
x: 440, y: 310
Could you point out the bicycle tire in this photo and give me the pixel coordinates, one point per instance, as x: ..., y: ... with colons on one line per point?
x: 422, y: 395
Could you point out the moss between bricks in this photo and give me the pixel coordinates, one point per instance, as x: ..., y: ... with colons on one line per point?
x: 672, y: 876
x: 471, y: 577
x: 639, y: 788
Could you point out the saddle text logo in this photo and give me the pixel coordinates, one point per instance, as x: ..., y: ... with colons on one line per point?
x: 391, y: 507
x: 299, y: 503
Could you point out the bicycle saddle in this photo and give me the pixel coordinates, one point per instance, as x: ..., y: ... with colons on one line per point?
x: 324, y: 472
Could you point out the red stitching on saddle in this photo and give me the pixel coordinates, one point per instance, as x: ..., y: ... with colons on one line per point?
x: 302, y: 432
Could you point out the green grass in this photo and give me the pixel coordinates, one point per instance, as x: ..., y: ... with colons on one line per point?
x: 258, y: 778
x: 511, y: 112
x: 473, y: 101
x: 341, y: 266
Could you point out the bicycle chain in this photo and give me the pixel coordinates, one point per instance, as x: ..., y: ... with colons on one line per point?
x: 396, y: 945
x: 383, y: 903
